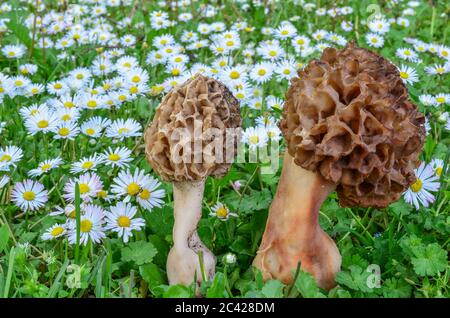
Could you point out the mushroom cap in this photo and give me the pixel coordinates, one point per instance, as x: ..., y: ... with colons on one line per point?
x: 347, y: 116
x: 191, y: 115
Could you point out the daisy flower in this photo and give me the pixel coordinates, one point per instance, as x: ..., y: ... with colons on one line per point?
x: 285, y: 69
x: 119, y: 157
x: 438, y: 166
x: 408, y: 74
x: 285, y: 31
x: 232, y: 74
x: 58, y: 88
x: 273, y: 132
x: 150, y: 196
x: 441, y: 99
x: 262, y: 72
x: 255, y: 137
x: 380, y: 26
x: 140, y: 186
x: 406, y: 54
x: 427, y: 100
x: 270, y: 52
x: 94, y: 126
x: 419, y: 193
x: 121, y: 129
x: 274, y: 102
x: 87, y: 164
x: 27, y: 69
x: 66, y: 130
x: 29, y: 195
x: 9, y: 156
x: 221, y: 211
x: 91, y: 225
x: 14, y: 51
x: 122, y: 220
x: 44, y: 122
x: 68, y: 210
x: 374, y: 40
x: 53, y: 232
x: 438, y: 69
x: 45, y: 167
x: 89, y: 183
x: 265, y: 121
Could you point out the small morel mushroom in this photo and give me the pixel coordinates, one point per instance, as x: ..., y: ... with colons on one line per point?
x: 184, y: 145
x: 349, y: 127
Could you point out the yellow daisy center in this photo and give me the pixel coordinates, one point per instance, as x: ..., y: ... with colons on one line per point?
x: 114, y: 157
x: 86, y: 226
x: 90, y: 131
x: 84, y: 188
x: 439, y: 171
x: 135, y: 79
x: 133, y: 188
x: 64, y: 131
x: 254, y: 139
x: 29, y: 195
x: 57, y: 86
x: 42, y: 124
x: 57, y: 231
x: 222, y: 212
x: 102, y: 194
x: 404, y: 75
x: 92, y: 103
x: 261, y: 72
x: 235, y: 75
x: 87, y: 165
x: 417, y: 186
x: 68, y: 104
x: 123, y: 221
x: 123, y: 130
x: 46, y: 167
x: 5, y: 157
x: 145, y: 194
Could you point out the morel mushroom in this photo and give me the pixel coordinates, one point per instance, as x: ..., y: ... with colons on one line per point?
x: 349, y: 127
x: 181, y: 147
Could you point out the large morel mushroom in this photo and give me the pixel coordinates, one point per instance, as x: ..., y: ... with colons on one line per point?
x: 349, y: 127
x: 180, y: 146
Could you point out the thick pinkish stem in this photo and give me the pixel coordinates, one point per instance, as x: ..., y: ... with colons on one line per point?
x: 183, y: 261
x: 293, y: 233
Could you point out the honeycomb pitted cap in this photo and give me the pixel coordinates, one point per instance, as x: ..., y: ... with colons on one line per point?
x: 192, y: 115
x: 347, y: 116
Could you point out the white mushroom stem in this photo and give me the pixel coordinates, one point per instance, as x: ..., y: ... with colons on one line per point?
x: 293, y: 234
x: 183, y: 262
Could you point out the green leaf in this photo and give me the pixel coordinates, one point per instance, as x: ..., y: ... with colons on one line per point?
x: 139, y: 252
x: 394, y: 288
x: 257, y: 200
x: 355, y: 279
x: 160, y: 220
x: 217, y: 289
x: 306, y: 285
x: 177, y: 291
x: 4, y: 237
x: 152, y: 275
x: 401, y: 208
x: 429, y: 260
x: 273, y: 289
